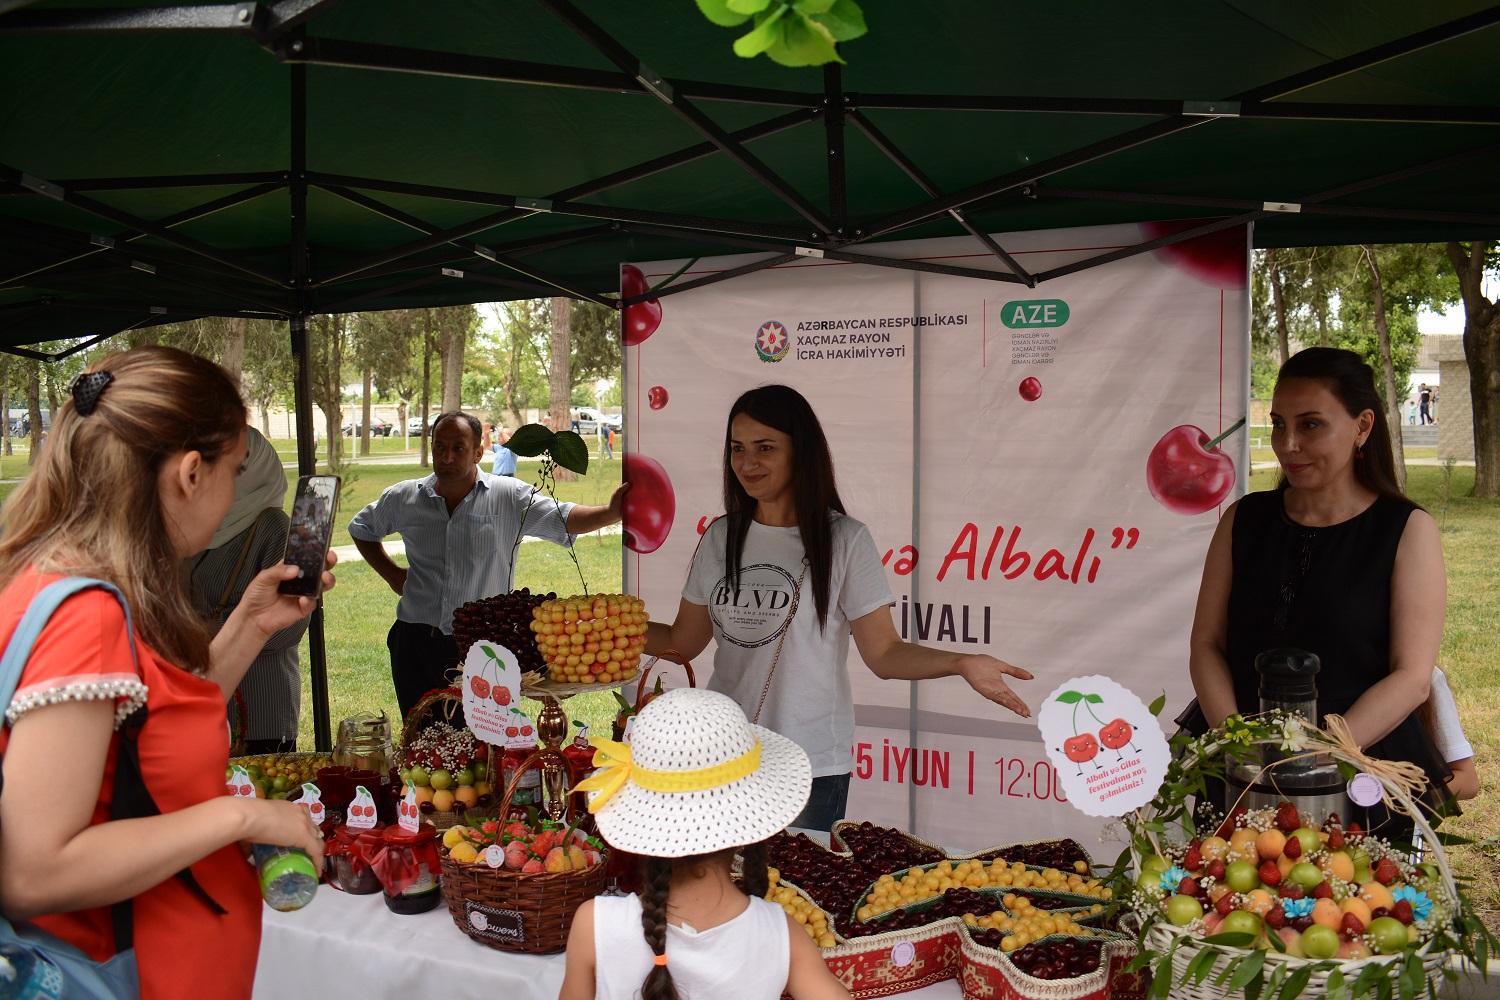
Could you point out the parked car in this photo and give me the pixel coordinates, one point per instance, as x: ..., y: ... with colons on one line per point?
x: 414, y: 425
x: 378, y: 428
x: 589, y: 420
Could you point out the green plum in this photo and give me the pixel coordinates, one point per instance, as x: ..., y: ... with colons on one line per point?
x: 441, y: 778
x: 419, y: 776
x: 1155, y: 863
x: 1183, y: 910
x: 1389, y: 934
x: 480, y: 769
x: 1320, y: 942
x: 1241, y: 876
x: 1241, y: 922
x: 465, y: 776
x: 1306, y: 875
x: 1309, y: 840
x: 1150, y: 884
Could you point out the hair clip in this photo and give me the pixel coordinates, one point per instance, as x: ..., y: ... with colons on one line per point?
x: 87, y: 389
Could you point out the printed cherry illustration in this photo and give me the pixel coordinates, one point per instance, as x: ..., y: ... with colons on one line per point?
x: 639, y: 320
x: 656, y: 397
x: 649, y: 506
x: 1080, y: 748
x: 1219, y: 259
x: 1187, y: 473
x: 501, y: 694
x: 512, y: 731
x: 1030, y: 388
x: 480, y: 687
x: 1116, y: 734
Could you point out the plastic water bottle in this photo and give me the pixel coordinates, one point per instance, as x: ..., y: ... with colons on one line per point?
x: 287, y: 876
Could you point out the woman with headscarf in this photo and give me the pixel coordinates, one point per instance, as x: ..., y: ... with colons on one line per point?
x: 251, y: 538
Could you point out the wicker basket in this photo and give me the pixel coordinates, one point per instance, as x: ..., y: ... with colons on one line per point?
x: 1185, y: 946
x: 437, y: 705
x: 515, y: 911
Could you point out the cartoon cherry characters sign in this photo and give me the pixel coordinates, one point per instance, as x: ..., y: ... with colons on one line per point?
x: 408, y: 813
x: 1109, y: 751
x: 362, y: 809
x: 239, y: 783
x: 492, y: 690
x: 312, y: 801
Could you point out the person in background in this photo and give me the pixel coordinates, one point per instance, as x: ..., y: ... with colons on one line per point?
x: 505, y: 459
x: 786, y: 566
x: 702, y: 785
x: 1440, y: 717
x: 252, y: 538
x: 1336, y: 561
x: 460, y: 526
x: 139, y: 475
x: 1424, y: 403
x: 606, y: 440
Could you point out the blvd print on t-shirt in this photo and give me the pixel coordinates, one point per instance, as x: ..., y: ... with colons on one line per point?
x: 759, y: 610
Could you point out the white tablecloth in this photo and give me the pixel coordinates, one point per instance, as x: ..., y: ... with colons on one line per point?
x: 352, y: 946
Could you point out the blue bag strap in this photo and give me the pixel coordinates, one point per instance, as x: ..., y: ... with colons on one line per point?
x: 40, y: 611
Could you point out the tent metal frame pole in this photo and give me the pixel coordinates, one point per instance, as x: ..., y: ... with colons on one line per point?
x: 775, y: 260
x: 307, y: 459
x: 1190, y: 117
x: 276, y: 179
x: 889, y: 149
x: 1249, y: 204
x: 59, y: 193
x: 101, y: 243
x: 22, y: 352
x: 252, y: 18
x: 667, y: 92
x: 833, y: 132
x: 463, y: 259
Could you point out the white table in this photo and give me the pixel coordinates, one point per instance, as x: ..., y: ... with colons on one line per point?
x: 352, y: 946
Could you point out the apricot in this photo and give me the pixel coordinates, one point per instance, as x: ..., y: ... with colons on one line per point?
x: 442, y: 800
x: 1339, y: 865
x: 1327, y: 913
x: 1270, y: 844
x: 1358, y: 907
x: 1376, y: 895
x: 1242, y: 836
x: 1259, y: 902
x: 1214, y: 848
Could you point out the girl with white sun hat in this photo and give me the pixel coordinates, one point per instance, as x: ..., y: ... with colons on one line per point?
x: 696, y: 783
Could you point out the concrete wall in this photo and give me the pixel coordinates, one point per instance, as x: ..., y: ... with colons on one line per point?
x: 1454, y: 414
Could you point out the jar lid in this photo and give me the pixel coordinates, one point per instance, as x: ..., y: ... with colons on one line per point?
x: 393, y: 834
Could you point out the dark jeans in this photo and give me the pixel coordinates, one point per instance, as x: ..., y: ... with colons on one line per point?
x: 421, y: 657
x: 826, y: 803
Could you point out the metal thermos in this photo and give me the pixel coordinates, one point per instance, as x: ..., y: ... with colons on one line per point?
x: 1288, y: 682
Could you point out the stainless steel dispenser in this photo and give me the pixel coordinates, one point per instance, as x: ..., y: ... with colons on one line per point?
x: 1288, y: 682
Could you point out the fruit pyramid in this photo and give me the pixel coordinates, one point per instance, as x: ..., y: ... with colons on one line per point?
x: 594, y: 639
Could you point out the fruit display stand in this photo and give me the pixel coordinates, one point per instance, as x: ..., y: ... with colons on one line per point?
x: 295, y: 768
x: 438, y: 719
x: 952, y: 908
x: 1332, y: 912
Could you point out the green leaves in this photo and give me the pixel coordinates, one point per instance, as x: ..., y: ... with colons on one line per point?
x: 1070, y: 697
x: 1159, y: 704
x: 1248, y: 970
x: 565, y: 448
x: 789, y: 32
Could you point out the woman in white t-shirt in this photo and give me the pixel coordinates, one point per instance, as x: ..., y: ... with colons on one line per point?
x: 780, y: 582
x: 1440, y: 716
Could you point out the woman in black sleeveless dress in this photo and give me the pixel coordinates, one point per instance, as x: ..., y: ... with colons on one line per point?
x: 1336, y: 561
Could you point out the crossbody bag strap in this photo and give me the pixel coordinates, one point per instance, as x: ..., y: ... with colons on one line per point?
x: 776, y: 656
x: 234, y: 574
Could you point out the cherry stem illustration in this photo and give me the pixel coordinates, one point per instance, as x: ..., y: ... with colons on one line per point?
x: 1091, y: 710
x: 1211, y: 445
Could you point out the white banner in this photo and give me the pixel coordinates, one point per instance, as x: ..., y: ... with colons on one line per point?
x: 1030, y: 463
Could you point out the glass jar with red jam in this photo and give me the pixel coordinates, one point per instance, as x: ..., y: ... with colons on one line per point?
x: 349, y: 855
x: 409, y: 869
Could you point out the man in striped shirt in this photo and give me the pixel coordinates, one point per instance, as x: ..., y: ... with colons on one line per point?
x: 459, y: 526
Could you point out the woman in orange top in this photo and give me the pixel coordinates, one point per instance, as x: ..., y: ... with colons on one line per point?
x: 138, y: 472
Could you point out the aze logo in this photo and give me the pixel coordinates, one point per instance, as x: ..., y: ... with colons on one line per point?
x: 772, y: 341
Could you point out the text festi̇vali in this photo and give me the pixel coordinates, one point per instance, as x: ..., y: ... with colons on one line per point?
x: 863, y: 337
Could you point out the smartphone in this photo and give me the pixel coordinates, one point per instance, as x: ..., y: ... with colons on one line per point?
x: 313, y: 511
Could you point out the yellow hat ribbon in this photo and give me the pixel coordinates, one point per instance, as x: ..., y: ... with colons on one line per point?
x: 615, y: 766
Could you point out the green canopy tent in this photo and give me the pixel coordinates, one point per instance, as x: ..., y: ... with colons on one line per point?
x: 285, y: 158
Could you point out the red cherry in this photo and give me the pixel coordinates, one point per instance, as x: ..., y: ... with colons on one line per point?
x: 501, y: 694
x: 1380, y: 911
x: 656, y: 397
x: 1322, y: 891
x: 479, y: 686
x: 649, y: 506
x: 1183, y: 477
x: 1275, y: 918
x: 1216, y: 869
x: 1188, y: 886
x: 1303, y: 923
x: 1081, y: 748
x: 1030, y: 389
x: 1219, y: 259
x: 1116, y: 734
x: 525, y: 730
x: 1225, y: 904
x: 1403, y: 911
x: 641, y: 319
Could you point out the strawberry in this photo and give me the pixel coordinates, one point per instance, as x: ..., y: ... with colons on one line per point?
x: 1230, y: 822
x: 1293, y: 848
x: 1402, y: 911
x: 1386, y: 872
x: 1216, y: 869
x: 1287, y: 818
x: 1335, y: 839
x: 1188, y: 886
x: 1333, y: 822
x: 1354, y: 832
x: 1352, y: 926
x: 1275, y: 918
x: 1291, y: 890
x: 1269, y: 873
x: 1193, y: 860
x: 1225, y: 905
x: 1322, y: 891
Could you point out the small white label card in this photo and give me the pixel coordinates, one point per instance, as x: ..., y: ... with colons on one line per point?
x: 1108, y: 750
x: 239, y: 783
x: 312, y: 800
x: 491, y: 689
x: 494, y: 856
x: 519, y: 733
x: 362, y: 809
x: 409, y: 813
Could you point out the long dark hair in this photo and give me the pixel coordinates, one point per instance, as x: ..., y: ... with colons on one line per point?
x: 656, y: 884
x: 1352, y: 382
x: 813, y: 490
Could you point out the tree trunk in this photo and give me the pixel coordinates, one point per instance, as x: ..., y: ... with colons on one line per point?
x: 559, y: 378
x: 1283, y: 344
x: 1482, y: 352
x: 34, y: 407
x: 452, y: 344
x: 426, y: 377
x: 50, y: 381
x: 513, y: 382
x: 233, y: 357
x: 364, y: 426
x: 1392, y: 401
x: 4, y: 419
x: 265, y: 417
x: 401, y: 416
